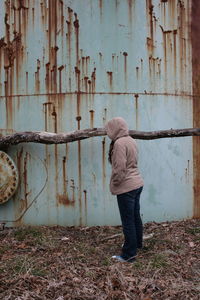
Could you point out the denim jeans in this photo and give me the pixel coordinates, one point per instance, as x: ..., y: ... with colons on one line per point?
x: 129, y: 208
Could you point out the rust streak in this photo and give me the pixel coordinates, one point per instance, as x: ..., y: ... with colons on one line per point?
x: 101, y: 8
x: 93, y: 80
x: 54, y: 115
x: 137, y: 73
x: 136, y: 109
x: 110, y: 78
x: 76, y: 26
x: 78, y: 118
x: 63, y: 198
x: 130, y: 8
x: 125, y: 67
x: 25, y: 183
x: 150, y: 20
x: 60, y: 78
x: 104, y: 162
x: 196, y: 102
x: 91, y: 118
x: 86, y: 83
x: 85, y: 203
x: 64, y: 175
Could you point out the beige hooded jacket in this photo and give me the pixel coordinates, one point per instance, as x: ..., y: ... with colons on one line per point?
x: 125, y: 175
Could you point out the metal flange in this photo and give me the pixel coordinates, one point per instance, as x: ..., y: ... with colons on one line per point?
x: 9, y: 177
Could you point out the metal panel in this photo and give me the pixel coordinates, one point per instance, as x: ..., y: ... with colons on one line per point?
x: 67, y: 65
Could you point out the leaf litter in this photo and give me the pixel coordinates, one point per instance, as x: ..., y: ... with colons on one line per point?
x: 75, y: 263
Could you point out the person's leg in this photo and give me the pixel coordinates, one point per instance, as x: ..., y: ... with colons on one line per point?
x: 126, y: 203
x: 138, y: 220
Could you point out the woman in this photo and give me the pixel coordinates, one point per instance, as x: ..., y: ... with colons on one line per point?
x: 127, y: 183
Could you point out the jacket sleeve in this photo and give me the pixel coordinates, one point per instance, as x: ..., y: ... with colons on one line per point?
x: 118, y: 163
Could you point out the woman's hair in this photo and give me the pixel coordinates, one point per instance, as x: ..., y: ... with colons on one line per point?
x: 110, y: 152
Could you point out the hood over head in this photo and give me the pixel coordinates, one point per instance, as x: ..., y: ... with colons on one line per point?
x: 116, y: 128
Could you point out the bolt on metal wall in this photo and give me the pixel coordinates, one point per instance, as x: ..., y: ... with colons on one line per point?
x: 67, y: 65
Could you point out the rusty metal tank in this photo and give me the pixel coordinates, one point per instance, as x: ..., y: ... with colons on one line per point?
x: 67, y: 65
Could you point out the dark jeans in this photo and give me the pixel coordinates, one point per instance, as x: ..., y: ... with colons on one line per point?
x: 129, y: 208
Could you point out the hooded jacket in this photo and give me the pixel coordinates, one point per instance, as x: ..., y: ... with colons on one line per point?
x: 125, y: 175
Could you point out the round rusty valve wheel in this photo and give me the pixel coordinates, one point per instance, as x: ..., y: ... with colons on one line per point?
x: 8, y: 177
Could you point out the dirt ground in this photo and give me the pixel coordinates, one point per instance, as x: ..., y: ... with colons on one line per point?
x: 75, y: 263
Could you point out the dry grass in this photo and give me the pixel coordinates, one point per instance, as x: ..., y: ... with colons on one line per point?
x: 75, y: 263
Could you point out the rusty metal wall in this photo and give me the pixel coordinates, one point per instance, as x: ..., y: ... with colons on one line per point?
x: 67, y: 65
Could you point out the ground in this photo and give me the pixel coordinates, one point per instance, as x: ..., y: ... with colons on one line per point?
x: 75, y: 263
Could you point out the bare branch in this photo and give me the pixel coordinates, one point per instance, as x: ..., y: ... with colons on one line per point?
x: 61, y: 138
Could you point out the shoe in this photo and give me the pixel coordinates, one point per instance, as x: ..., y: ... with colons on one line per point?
x: 121, y: 259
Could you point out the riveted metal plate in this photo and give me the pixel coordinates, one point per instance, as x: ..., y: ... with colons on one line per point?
x: 8, y: 177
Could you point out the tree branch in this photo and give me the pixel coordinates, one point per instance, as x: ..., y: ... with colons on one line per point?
x: 61, y: 138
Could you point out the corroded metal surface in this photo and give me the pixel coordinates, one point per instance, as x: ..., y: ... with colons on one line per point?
x: 196, y: 101
x: 67, y: 65
x: 8, y: 177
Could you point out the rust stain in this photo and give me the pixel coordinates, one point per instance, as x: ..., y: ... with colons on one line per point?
x: 100, y: 58
x: 175, y: 50
x: 150, y: 20
x: 113, y: 59
x: 78, y: 82
x: 12, y: 50
x: 195, y: 34
x: 56, y: 169
x: 69, y: 37
x: 78, y: 118
x: 47, y: 77
x: 73, y: 190
x: 64, y: 200
x: 91, y: 118
x: 25, y: 181
x: 51, y: 14
x: 86, y: 83
x: 64, y: 175
x: 182, y: 27
x: 105, y: 116
x: 87, y: 63
x: 130, y: 9
x: 125, y: 54
x: 54, y: 115
x: 22, y: 161
x: 60, y: 78
x: 19, y: 161
x: 101, y: 8
x: 136, y: 109
x: 76, y: 26
x: 93, y: 80
x: 125, y: 61
x: 37, y: 77
x: 83, y: 66
x: 80, y: 181
x: 187, y: 172
x: 110, y: 78
x: 27, y: 82
x: 45, y: 116
x: 104, y: 162
x: 33, y: 14
x: 137, y: 73
x: 85, y: 204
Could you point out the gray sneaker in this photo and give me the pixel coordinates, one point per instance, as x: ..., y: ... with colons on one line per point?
x: 121, y: 259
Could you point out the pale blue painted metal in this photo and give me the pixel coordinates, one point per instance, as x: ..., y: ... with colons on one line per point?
x: 96, y: 60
